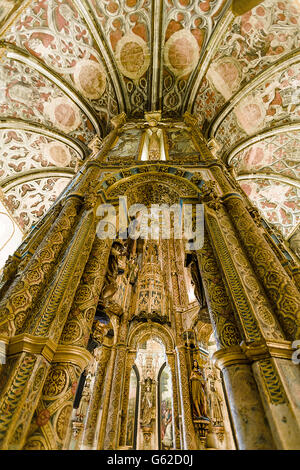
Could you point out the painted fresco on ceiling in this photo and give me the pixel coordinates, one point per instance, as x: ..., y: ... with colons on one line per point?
x: 180, y: 144
x: 7, y: 7
x: 23, y: 151
x: 279, y: 203
x: 27, y: 95
x: 252, y: 43
x: 30, y: 201
x: 186, y: 31
x: 278, y: 154
x: 54, y: 32
x: 126, y: 25
x: 275, y: 102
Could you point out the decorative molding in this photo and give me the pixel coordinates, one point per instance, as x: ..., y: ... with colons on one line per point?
x: 269, y: 176
x: 156, y: 67
x: 35, y: 174
x: 15, y: 123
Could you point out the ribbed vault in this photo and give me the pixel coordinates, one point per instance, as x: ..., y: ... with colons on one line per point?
x: 68, y: 66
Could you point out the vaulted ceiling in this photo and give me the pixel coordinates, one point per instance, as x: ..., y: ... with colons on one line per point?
x: 68, y: 66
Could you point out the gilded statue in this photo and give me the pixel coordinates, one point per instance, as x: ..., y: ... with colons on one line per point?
x: 198, y: 390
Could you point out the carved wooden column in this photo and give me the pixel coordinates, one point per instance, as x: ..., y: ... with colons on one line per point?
x: 68, y: 360
x: 129, y: 363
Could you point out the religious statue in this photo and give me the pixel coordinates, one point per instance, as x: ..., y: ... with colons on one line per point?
x: 198, y: 390
x: 196, y: 281
x: 147, y: 405
x: 215, y: 406
x: 116, y: 266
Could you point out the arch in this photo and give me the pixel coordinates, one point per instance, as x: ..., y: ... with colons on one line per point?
x: 119, y: 182
x: 143, y: 331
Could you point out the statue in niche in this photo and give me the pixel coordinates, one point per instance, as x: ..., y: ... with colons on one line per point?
x: 294, y: 242
x: 198, y: 390
x: 196, y: 281
x: 215, y: 406
x: 147, y: 404
x: 116, y: 266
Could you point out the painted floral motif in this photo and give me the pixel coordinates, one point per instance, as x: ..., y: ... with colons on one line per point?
x: 29, y: 201
x: 279, y: 203
x: 278, y: 154
x: 207, y: 104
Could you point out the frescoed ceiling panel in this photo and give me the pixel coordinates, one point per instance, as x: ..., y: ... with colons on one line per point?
x: 23, y: 151
x: 274, y: 103
x: 28, y: 95
x: 188, y: 26
x: 278, y: 155
x: 279, y: 203
x: 30, y: 201
x: 53, y: 32
x: 253, y: 42
x: 68, y: 66
x: 126, y: 24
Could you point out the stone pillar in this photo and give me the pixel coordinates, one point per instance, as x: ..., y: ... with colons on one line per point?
x: 38, y: 334
x: 106, y: 400
x: 281, y: 290
x: 189, y: 436
x: 112, y: 424
x: 28, y: 284
x: 250, y: 424
x: 129, y: 363
x: 90, y: 430
x: 75, y: 332
x: 228, y: 333
x: 176, y: 430
x: 279, y: 286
